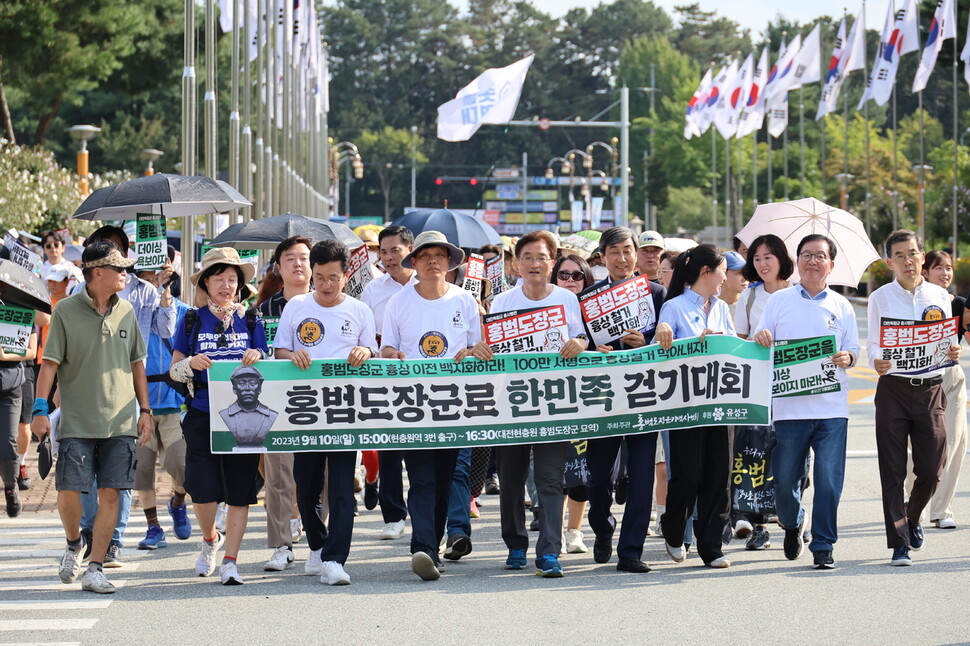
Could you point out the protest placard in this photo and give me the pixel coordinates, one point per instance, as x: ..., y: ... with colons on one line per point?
x: 495, y: 274
x: 15, y: 326
x: 151, y: 245
x: 752, y: 482
x: 538, y: 329
x: 610, y: 310
x: 474, y: 275
x: 21, y: 255
x: 804, y: 367
x: 513, y: 399
x: 358, y: 272
x: 917, y: 347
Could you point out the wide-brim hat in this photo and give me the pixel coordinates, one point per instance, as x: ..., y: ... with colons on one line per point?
x: 434, y: 239
x: 219, y: 256
x: 112, y: 259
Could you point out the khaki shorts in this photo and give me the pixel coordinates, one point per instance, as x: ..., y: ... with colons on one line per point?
x: 168, y: 447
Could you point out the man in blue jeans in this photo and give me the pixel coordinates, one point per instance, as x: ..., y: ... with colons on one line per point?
x: 811, y: 421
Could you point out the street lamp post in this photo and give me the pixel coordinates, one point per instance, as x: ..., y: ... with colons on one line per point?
x: 150, y: 155
x: 83, y: 134
x: 345, y: 151
x: 843, y: 189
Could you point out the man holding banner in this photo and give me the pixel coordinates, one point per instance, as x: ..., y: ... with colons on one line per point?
x: 523, y: 320
x: 810, y: 402
x: 431, y: 319
x: 908, y: 319
x: 620, y: 312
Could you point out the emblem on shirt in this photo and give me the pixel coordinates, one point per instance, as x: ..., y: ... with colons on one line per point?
x: 310, y: 332
x: 933, y: 313
x: 457, y: 320
x: 123, y: 334
x: 433, y: 344
x: 345, y: 329
x: 833, y: 322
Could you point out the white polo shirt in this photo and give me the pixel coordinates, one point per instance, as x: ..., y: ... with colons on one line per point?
x: 928, y: 302
x: 379, y: 291
x: 793, y: 314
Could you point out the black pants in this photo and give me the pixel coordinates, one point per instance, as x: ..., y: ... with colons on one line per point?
x: 390, y: 491
x: 429, y: 473
x: 698, y: 470
x: 309, y: 472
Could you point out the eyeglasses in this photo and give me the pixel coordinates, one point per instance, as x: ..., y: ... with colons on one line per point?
x: 912, y: 255
x: 221, y: 342
x: 576, y: 276
x: 809, y: 257
x: 529, y: 260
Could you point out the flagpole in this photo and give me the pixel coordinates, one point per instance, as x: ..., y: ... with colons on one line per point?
x: 259, y: 159
x: 714, y: 181
x: 821, y: 122
x: 754, y: 170
x: 801, y: 137
x: 189, y: 141
x: 784, y: 150
x: 771, y: 197
x: 895, y: 169
x: 728, y: 207
x: 845, y: 150
x: 739, y: 188
x: 922, y: 170
x: 234, y: 127
x: 210, y: 122
x: 246, y: 136
x: 956, y: 151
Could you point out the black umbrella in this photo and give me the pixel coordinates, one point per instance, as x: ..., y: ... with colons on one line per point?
x: 266, y: 233
x: 169, y: 195
x: 21, y: 288
x: 461, y: 230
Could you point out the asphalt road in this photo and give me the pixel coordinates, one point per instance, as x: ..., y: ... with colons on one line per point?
x: 762, y: 598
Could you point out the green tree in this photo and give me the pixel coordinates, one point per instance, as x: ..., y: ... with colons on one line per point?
x: 388, y: 153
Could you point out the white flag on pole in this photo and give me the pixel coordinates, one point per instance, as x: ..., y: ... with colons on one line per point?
x: 808, y: 62
x: 753, y: 113
x: 900, y: 35
x: 226, y: 11
x: 491, y: 98
x: 730, y: 101
x: 777, y: 107
x: 692, y: 127
x: 781, y: 75
x: 942, y: 27
x: 850, y: 57
x: 855, y: 52
x: 965, y: 54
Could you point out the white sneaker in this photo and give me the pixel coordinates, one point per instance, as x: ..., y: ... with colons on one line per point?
x: 206, y: 563
x: 313, y: 565
x: 334, y: 574
x: 96, y: 581
x: 71, y: 564
x: 574, y: 542
x: 720, y: 562
x: 946, y: 523
x: 296, y: 529
x: 221, y: 510
x: 282, y: 559
x: 742, y: 528
x: 676, y: 554
x: 229, y: 574
x: 392, y: 531
x: 423, y: 565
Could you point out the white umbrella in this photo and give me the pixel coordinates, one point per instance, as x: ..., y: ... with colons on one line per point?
x: 792, y: 221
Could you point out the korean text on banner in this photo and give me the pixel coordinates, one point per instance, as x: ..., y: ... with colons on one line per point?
x: 358, y: 272
x: 15, y: 326
x: 538, y: 329
x: 21, y: 255
x: 474, y: 275
x: 917, y: 347
x: 513, y: 399
x: 151, y: 246
x: 804, y: 367
x: 610, y: 310
x: 495, y: 274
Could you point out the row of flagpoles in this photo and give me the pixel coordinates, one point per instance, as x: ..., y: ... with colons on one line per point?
x: 744, y: 94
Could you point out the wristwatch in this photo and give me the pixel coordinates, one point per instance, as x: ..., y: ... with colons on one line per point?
x: 146, y: 410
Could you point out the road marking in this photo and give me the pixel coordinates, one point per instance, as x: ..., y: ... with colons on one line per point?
x: 50, y: 566
x: 32, y: 541
x: 861, y: 396
x: 45, y: 584
x: 44, y: 644
x: 31, y: 554
x: 58, y: 604
x: 8, y: 625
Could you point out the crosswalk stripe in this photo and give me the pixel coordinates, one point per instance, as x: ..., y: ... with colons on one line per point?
x: 9, y: 625
x: 31, y: 554
x: 50, y: 566
x: 47, y: 584
x: 44, y: 644
x: 56, y: 604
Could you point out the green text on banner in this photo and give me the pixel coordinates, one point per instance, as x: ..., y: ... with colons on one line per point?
x: 804, y: 367
x: 151, y: 245
x: 15, y: 326
x: 514, y: 399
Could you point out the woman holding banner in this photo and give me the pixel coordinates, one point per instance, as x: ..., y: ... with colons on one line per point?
x: 555, y: 311
x: 219, y: 330
x: 698, y: 459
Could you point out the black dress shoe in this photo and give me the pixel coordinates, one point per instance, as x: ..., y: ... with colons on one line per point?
x: 603, y: 549
x: 370, y: 495
x: 622, y: 490
x: 632, y: 565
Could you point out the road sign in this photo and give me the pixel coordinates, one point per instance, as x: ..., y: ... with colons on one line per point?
x: 544, y: 124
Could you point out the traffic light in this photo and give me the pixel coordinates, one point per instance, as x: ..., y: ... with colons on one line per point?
x: 473, y: 181
x: 438, y: 181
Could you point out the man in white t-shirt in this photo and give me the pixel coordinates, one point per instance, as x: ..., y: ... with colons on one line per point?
x: 431, y: 319
x: 395, y: 242
x: 811, y: 422
x: 326, y: 324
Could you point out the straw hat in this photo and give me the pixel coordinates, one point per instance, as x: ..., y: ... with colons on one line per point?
x: 219, y: 256
x: 434, y: 239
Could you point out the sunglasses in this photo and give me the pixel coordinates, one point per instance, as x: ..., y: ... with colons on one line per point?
x: 576, y: 276
x: 52, y: 245
x: 221, y: 342
x: 120, y: 270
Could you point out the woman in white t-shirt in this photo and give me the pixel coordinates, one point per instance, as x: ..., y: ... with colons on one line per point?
x: 326, y: 324
x: 768, y: 269
x: 535, y: 253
